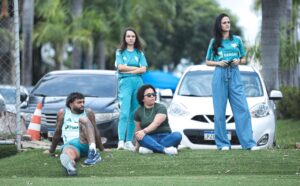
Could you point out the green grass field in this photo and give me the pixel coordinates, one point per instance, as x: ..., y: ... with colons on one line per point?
x: 278, y: 166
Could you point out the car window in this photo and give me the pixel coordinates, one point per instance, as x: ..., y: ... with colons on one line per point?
x: 252, y: 84
x: 198, y: 83
x: 91, y: 85
x: 9, y: 95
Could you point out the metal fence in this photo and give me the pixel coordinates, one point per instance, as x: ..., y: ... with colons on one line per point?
x: 10, y: 126
x: 7, y: 47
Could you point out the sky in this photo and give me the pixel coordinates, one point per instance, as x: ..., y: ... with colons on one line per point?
x: 248, y: 20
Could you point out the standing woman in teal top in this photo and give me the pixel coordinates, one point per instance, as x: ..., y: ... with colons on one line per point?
x: 226, y: 52
x: 131, y: 64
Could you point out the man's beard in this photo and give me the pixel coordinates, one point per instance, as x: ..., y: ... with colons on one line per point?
x: 79, y: 110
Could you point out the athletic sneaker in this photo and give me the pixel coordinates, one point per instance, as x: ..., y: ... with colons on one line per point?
x: 254, y: 148
x: 144, y: 150
x: 93, y: 157
x: 129, y: 146
x: 225, y: 148
x: 170, y: 150
x: 120, y: 145
x: 67, y: 164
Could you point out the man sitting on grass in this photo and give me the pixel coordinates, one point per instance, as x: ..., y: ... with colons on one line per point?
x: 77, y: 127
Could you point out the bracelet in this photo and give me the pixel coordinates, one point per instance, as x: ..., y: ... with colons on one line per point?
x: 144, y: 130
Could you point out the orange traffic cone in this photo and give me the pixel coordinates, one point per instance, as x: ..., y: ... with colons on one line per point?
x: 34, y: 127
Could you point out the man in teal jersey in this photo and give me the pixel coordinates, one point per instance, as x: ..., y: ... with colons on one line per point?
x: 77, y: 127
x: 226, y: 52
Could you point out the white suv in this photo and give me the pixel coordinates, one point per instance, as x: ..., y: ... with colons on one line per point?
x: 191, y: 111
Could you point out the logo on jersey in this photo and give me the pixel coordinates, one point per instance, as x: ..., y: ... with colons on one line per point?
x: 136, y: 58
x: 72, y: 126
x: 234, y: 45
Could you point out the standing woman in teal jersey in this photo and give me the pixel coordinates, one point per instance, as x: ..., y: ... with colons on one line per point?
x: 131, y: 64
x: 226, y: 52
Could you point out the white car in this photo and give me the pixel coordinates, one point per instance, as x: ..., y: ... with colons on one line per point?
x: 191, y: 112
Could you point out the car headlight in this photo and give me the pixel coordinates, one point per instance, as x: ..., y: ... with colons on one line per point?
x: 104, y: 117
x: 260, y: 110
x: 26, y: 115
x: 177, y: 109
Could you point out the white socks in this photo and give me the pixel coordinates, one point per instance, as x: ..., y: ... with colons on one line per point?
x: 92, y: 146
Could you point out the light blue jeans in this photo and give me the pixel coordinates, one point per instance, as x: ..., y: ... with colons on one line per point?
x: 157, y: 142
x: 227, y: 85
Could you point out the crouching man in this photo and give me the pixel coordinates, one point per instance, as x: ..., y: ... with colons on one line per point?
x: 77, y: 126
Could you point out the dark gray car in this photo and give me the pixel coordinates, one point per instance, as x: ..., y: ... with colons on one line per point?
x: 99, y: 88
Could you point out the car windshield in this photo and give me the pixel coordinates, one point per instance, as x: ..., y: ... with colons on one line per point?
x: 91, y: 85
x: 198, y: 84
x: 9, y: 95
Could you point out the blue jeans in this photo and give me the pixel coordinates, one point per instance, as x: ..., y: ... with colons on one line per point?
x: 157, y: 142
x: 227, y: 85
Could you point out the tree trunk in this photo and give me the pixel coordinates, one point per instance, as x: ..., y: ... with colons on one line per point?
x: 270, y: 43
x: 76, y: 11
x: 101, y: 55
x: 89, y: 54
x: 289, y: 72
x: 27, y: 29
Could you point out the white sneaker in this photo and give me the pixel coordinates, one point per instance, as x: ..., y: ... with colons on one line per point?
x: 225, y: 148
x: 254, y: 148
x: 144, y: 150
x: 120, y: 145
x: 170, y: 150
x: 129, y: 146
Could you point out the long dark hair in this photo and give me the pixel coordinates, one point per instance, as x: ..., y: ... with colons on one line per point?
x: 137, y: 44
x: 218, y: 33
x: 141, y: 91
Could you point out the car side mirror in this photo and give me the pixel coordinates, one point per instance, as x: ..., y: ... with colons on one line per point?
x: 23, y: 97
x: 275, y: 95
x: 166, y: 93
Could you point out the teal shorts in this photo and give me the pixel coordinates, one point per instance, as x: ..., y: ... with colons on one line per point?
x: 82, y: 149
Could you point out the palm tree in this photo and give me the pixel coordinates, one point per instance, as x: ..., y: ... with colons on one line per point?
x: 27, y: 30
x: 76, y: 11
x: 270, y: 42
x: 289, y: 50
x: 57, y: 27
x: 279, y: 42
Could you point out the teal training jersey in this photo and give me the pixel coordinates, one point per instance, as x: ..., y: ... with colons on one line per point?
x: 70, y: 128
x: 133, y: 58
x: 230, y: 49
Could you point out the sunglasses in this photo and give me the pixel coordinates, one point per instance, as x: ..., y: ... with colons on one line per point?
x: 150, y: 95
x: 228, y: 22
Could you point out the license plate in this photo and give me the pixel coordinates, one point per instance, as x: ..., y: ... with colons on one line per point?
x: 210, y: 135
x: 50, y: 134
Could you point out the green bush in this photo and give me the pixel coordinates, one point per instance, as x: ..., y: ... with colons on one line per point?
x: 289, y: 106
x: 7, y: 150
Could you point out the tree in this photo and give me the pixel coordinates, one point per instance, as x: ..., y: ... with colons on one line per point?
x: 76, y: 11
x: 56, y: 26
x: 270, y: 42
x: 289, y: 50
x: 27, y: 30
x: 169, y: 29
